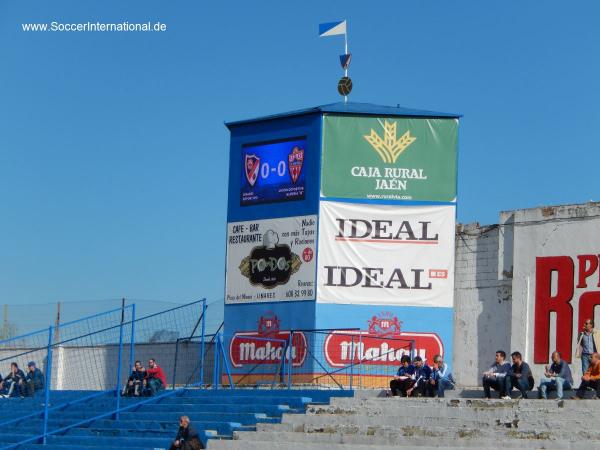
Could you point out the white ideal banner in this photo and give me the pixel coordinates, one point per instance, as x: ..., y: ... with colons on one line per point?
x: 386, y: 255
x: 271, y: 260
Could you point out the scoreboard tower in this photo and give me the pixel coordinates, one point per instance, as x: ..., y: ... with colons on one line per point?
x: 342, y: 216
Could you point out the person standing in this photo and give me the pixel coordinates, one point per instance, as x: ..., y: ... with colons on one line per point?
x: 495, y: 376
x: 587, y: 343
x: 519, y: 376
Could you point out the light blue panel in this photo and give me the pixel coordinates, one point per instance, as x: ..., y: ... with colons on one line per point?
x: 411, y: 319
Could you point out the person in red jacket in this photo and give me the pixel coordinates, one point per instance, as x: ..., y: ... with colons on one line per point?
x: 155, y: 378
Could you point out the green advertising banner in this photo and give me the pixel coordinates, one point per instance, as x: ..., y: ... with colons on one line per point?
x: 389, y: 158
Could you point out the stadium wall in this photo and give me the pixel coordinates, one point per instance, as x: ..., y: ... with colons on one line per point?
x: 525, y: 284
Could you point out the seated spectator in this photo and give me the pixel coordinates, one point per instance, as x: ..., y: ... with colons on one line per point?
x: 495, y: 376
x: 135, y: 383
x: 422, y: 386
x: 557, y: 376
x: 519, y: 376
x: 11, y: 385
x: 591, y: 379
x: 441, y: 378
x: 155, y: 378
x: 187, y: 437
x: 404, y: 379
x: 34, y: 380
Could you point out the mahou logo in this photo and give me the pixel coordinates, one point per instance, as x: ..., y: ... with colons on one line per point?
x: 382, y: 344
x: 267, y: 344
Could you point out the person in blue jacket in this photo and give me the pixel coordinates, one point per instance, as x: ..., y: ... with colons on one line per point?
x: 422, y: 386
x: 556, y: 377
x: 404, y: 379
x: 441, y: 377
x: 34, y: 380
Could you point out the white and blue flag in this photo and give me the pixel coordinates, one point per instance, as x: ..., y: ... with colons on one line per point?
x: 332, y: 28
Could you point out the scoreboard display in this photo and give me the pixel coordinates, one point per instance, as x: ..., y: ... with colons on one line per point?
x: 272, y: 171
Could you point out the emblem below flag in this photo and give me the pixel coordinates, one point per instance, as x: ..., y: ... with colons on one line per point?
x: 345, y: 60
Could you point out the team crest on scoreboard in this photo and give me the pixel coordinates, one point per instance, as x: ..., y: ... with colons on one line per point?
x: 252, y: 165
x: 295, y: 162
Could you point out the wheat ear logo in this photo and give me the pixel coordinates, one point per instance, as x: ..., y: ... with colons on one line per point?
x: 389, y: 148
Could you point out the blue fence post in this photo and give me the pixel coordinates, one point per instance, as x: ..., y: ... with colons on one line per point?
x: 216, y: 362
x: 226, y: 364
x: 290, y: 358
x: 203, y: 330
x: 360, y: 368
x: 132, y: 342
x: 48, y: 382
x: 119, y: 365
x: 351, y: 362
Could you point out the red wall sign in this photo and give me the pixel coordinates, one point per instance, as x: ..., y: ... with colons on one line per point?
x: 255, y: 348
x: 559, y: 300
x: 343, y: 347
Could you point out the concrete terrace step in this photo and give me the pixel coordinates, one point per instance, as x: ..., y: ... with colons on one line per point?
x: 395, y: 438
x: 258, y: 445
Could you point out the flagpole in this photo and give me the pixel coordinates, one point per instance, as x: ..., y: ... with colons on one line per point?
x: 345, y: 53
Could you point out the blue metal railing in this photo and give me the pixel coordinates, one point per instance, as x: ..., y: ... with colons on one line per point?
x: 116, y: 392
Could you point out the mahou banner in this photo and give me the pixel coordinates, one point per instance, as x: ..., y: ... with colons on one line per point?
x: 385, y: 255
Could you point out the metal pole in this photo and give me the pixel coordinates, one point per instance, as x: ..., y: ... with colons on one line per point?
x: 290, y: 357
x: 132, y: 340
x: 119, y: 362
x: 175, y: 362
x: 48, y: 381
x: 203, y: 331
x: 216, y: 363
x: 226, y: 364
x: 351, y: 361
x: 360, y: 369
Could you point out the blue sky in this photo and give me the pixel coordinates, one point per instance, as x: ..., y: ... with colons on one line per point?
x: 113, y: 152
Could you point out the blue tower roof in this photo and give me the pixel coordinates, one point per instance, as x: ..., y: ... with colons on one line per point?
x: 351, y: 108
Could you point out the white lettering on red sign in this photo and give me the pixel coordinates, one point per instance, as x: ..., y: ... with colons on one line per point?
x: 343, y: 348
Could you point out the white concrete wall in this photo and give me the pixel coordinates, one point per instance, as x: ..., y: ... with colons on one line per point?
x: 482, y: 303
x: 568, y: 230
x: 495, y: 282
x: 95, y: 367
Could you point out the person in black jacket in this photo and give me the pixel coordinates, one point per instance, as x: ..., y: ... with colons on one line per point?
x: 134, y: 386
x: 519, y: 376
x: 12, y: 384
x: 187, y: 437
x: 404, y: 379
x: 34, y: 380
x: 422, y: 386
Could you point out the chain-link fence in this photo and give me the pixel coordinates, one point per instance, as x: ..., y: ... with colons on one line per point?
x: 96, y: 354
x: 335, y: 359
